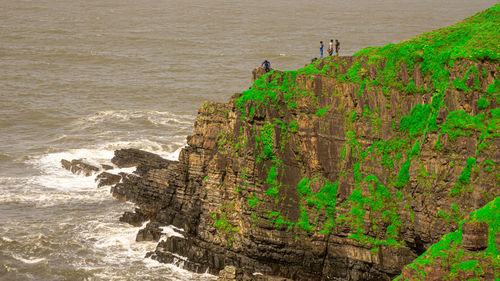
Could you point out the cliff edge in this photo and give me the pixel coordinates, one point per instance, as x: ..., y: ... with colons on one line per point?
x: 347, y: 169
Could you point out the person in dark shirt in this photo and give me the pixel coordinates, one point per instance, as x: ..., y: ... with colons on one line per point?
x: 320, y: 49
x: 267, y: 65
x: 337, y: 47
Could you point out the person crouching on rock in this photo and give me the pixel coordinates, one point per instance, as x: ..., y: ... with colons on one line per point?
x: 267, y: 65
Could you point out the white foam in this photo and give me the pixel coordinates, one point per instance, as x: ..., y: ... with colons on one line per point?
x: 28, y: 261
x: 6, y: 239
x: 174, y: 156
x: 171, y: 231
x: 54, y: 176
x: 123, y: 237
x: 113, y: 242
x: 155, y: 117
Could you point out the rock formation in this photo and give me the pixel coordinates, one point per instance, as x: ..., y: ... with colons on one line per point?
x: 346, y: 169
x: 78, y: 166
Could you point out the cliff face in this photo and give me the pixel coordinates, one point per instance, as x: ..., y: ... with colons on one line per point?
x: 347, y: 169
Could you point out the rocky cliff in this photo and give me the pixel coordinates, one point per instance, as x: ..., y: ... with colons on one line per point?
x: 346, y: 169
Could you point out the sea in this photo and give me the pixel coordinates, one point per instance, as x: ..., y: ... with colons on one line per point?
x: 80, y: 79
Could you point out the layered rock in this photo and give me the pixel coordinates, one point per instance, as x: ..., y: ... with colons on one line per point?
x: 347, y: 169
x: 107, y: 179
x: 207, y: 191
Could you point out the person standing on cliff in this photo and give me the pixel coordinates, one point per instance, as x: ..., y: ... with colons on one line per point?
x: 330, y: 48
x: 267, y: 65
x: 320, y: 49
x: 337, y: 47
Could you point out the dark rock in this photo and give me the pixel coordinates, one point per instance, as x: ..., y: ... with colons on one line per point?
x: 152, y: 232
x: 125, y: 158
x: 134, y: 218
x: 77, y: 166
x: 126, y: 189
x: 107, y: 167
x: 107, y: 179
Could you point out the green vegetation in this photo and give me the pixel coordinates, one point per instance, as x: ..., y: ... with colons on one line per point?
x: 465, y: 175
x: 475, y: 38
x: 448, y: 252
x: 223, y: 225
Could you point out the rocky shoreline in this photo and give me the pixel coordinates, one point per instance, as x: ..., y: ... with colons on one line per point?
x: 347, y: 169
x: 187, y: 193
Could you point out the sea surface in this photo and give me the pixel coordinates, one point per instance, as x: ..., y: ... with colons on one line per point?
x: 80, y: 79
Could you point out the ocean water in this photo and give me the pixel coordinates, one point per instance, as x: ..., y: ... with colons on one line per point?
x: 80, y: 79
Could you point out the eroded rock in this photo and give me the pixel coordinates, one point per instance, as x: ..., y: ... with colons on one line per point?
x: 107, y: 179
x: 131, y: 157
x: 134, y: 218
x: 152, y: 232
x: 79, y: 167
x: 207, y: 191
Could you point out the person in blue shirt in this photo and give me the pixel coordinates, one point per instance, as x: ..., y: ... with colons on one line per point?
x: 321, y: 49
x: 267, y: 65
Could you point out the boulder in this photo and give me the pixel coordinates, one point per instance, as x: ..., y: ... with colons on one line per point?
x: 133, y: 218
x: 152, y: 232
x: 107, y: 179
x: 475, y: 235
x: 107, y: 167
x: 77, y: 166
x: 227, y: 274
x: 125, y: 158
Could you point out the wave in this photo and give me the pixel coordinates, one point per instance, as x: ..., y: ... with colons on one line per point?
x: 6, y: 239
x: 97, y: 233
x: 155, y: 117
x: 28, y: 260
x: 54, y: 176
x: 4, y: 156
x: 55, y: 185
x: 119, y: 244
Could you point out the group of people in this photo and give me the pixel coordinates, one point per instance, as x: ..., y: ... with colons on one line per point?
x: 330, y: 48
x: 267, y: 65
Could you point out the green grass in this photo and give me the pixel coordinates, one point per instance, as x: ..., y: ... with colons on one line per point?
x: 475, y: 38
x: 450, y: 246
